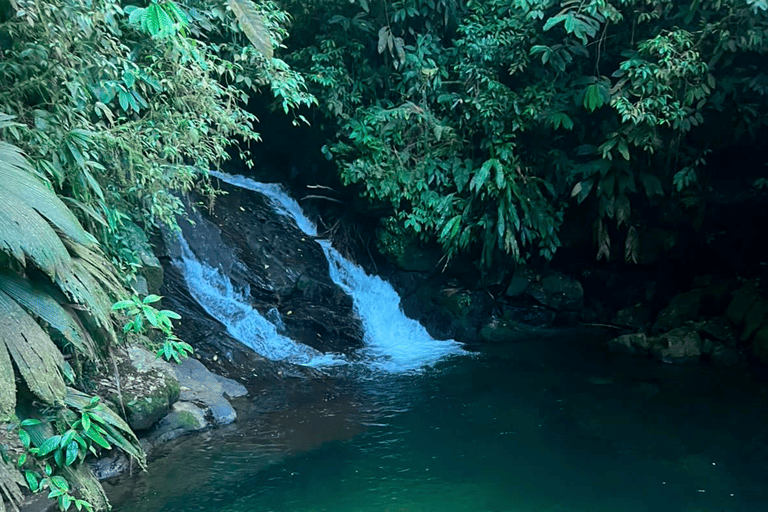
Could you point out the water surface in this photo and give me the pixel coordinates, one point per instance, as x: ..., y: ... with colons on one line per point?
x: 549, y: 424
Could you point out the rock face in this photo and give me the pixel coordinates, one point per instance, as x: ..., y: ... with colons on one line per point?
x: 276, y: 266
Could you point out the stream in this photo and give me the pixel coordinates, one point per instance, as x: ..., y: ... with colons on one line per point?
x: 413, y: 424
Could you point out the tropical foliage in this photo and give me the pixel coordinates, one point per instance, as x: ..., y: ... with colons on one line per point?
x: 110, y: 113
x: 481, y: 124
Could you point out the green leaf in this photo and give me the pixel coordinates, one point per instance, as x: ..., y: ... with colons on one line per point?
x: 49, y: 445
x: 72, y: 452
x: 152, y: 298
x: 97, y: 438
x: 60, y: 483
x: 593, y: 98
x: 651, y: 184
x: 32, y: 480
x: 252, y: 24
x: 24, y: 437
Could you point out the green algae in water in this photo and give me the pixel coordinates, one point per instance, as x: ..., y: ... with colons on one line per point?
x: 519, y: 429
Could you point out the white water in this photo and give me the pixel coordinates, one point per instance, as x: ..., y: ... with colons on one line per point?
x: 215, y: 293
x: 393, y: 342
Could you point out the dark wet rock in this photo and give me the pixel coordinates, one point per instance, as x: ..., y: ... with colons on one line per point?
x: 445, y: 309
x: 521, y: 280
x: 531, y: 315
x: 630, y: 343
x: 682, y: 308
x: 536, y: 292
x: 277, y: 266
x: 742, y: 302
x: 637, y: 316
x: 563, y: 293
x: 110, y: 466
x: 501, y: 331
x: 719, y: 329
x: 716, y: 297
x: 725, y: 356
x: 760, y: 346
x: 146, y: 387
x: 756, y: 317
x: 222, y: 353
x: 681, y: 345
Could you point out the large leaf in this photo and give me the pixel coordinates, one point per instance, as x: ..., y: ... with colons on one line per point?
x: 43, y: 305
x: 37, y: 358
x: 115, y: 426
x: 11, y: 483
x: 252, y: 24
x: 7, y: 386
x: 19, y: 179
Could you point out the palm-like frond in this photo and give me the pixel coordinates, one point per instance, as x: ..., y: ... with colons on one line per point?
x: 11, y: 483
x: 38, y: 230
x: 37, y: 358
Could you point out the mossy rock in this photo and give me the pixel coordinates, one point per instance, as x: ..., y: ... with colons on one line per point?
x: 148, y: 387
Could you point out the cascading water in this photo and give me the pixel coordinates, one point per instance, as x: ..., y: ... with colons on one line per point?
x: 216, y: 294
x: 393, y: 342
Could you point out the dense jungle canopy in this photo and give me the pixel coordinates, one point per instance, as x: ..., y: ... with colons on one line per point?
x: 479, y: 125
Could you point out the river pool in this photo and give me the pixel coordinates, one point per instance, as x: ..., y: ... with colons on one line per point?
x: 552, y: 423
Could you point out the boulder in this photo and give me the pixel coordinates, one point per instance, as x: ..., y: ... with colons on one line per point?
x: 756, y: 317
x: 725, y: 356
x: 207, y: 391
x: 113, y: 464
x: 637, y: 316
x: 760, y: 345
x: 501, y: 331
x: 681, y: 345
x: 183, y: 419
x: 682, y: 308
x: 146, y: 388
x: 563, y: 292
x: 521, y: 279
x: 719, y: 329
x: 629, y: 343
x: 715, y: 298
x: 741, y: 303
x: 555, y: 290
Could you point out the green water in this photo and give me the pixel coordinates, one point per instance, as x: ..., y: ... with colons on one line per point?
x: 551, y: 424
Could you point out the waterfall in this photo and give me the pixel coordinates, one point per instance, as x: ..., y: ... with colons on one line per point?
x: 393, y: 342
x: 214, y: 291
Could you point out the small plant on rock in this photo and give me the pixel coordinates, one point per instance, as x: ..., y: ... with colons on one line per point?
x: 143, y: 317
